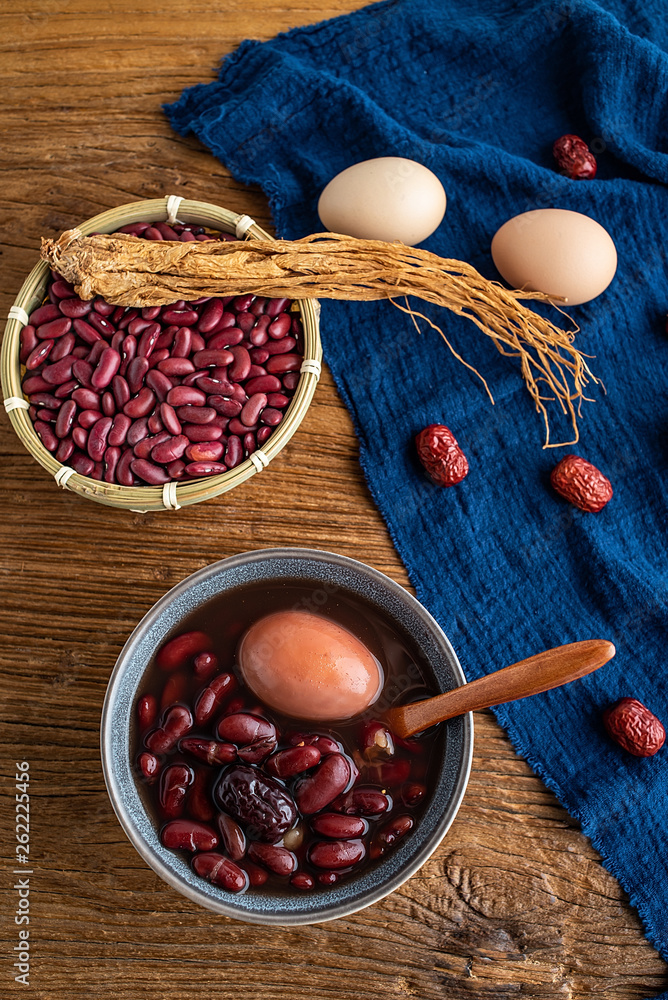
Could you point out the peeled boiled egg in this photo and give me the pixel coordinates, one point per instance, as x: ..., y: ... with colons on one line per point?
x: 564, y: 254
x: 308, y: 666
x: 389, y: 198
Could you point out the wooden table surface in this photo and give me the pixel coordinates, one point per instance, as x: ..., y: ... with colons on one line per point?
x: 515, y: 902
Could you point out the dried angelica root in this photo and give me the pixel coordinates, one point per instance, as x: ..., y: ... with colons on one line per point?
x: 129, y: 271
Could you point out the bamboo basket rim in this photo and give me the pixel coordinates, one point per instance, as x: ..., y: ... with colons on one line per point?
x: 173, y: 495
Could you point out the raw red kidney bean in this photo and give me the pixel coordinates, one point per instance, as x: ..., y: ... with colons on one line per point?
x: 159, y: 383
x: 249, y: 443
x: 209, y: 751
x: 177, y: 722
x: 157, y: 357
x: 44, y: 314
x: 65, y: 418
x: 62, y: 289
x: 39, y: 355
x: 134, y: 324
x: 148, y: 340
x: 65, y: 449
x: 83, y: 371
x: 197, y: 343
x: 103, y: 308
x: 276, y: 306
x: 97, y: 438
x: 205, y: 666
x: 197, y: 374
x: 278, y: 860
x: 195, y: 414
x: 81, y: 463
x: 136, y: 373
x: 280, y: 327
x: 246, y: 321
x: 262, y: 434
x: 232, y: 837
x: 317, y: 790
x: 256, y: 371
x: 152, y: 474
x: 287, y: 763
x: 101, y: 324
x: 63, y: 347
x: 337, y: 826
x: 128, y: 353
x: 283, y: 346
x: 263, y: 383
x: 226, y: 407
x: 149, y: 765
x: 86, y: 332
x: 226, y: 321
x: 336, y: 854
x: 174, y: 783
x: 182, y: 342
x: 169, y: 450
x: 150, y: 312
x: 176, y: 367
x: 234, y: 453
x: 121, y: 391
x: 80, y: 438
x: 170, y: 419
x: 28, y: 341
x: 124, y: 473
x: 49, y: 416
x: 209, y: 358
x: 363, y: 801
x: 221, y: 871
x: 236, y: 427
x: 277, y: 400
x: 199, y: 469
x: 202, y: 432
x: 271, y: 417
x: 229, y: 337
x: 80, y: 351
x: 212, y: 697
x: 178, y: 651
x: 241, y: 363
x: 138, y: 431
x: 45, y: 399
x: 258, y: 336
x: 257, y: 801
x: 141, y: 404
x: 176, y: 469
x: 291, y: 381
x: 188, y: 835
x: 117, y: 341
x: 147, y: 711
x: 74, y: 307
x: 198, y: 801
x: 46, y: 435
x: 179, y: 317
x: 258, y: 355
x: 205, y: 451
x: 251, y: 410
x: 134, y: 228
x: 108, y: 404
x: 281, y: 363
x: 182, y: 395
x: 59, y: 372
x: 210, y: 316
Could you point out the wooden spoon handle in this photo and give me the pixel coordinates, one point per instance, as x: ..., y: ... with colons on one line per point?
x: 541, y: 672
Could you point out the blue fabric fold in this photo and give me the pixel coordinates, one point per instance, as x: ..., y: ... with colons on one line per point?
x: 478, y: 93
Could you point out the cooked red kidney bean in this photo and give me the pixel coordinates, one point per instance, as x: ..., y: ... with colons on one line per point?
x: 302, y: 881
x: 107, y: 366
x: 278, y: 860
x: 205, y: 451
x: 263, y: 383
x: 363, y: 801
x: 209, y: 751
x: 97, y: 438
x: 232, y: 836
x: 336, y: 854
x: 178, y: 651
x: 280, y: 327
x: 174, y: 783
x: 169, y: 450
x: 221, y: 871
x: 147, y: 711
x: 149, y: 765
x: 59, y: 372
x: 177, y: 722
x: 392, y: 772
x: 200, y: 469
x: 188, y: 395
x: 317, y: 790
x: 174, y: 690
x: 205, y: 666
x: 159, y: 383
x: 337, y: 826
x: 136, y: 373
x: 212, y: 697
x: 65, y: 449
x: 45, y: 314
x: 188, y: 835
x: 202, y: 432
x: 141, y: 404
x: 80, y: 437
x: 396, y: 828
x: 39, y: 354
x: 124, y: 473
x: 46, y: 435
x: 288, y: 763
x: 65, y: 418
x: 198, y: 800
x: 149, y: 472
x: 242, y: 729
x: 412, y: 793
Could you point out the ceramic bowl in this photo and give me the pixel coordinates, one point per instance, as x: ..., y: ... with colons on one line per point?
x: 322, y: 571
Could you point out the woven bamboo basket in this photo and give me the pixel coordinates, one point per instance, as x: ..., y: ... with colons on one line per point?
x: 172, y: 495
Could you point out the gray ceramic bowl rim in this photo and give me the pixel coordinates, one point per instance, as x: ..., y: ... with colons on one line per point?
x: 337, y: 901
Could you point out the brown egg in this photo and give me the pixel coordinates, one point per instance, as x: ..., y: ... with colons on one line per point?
x: 308, y: 667
x: 565, y: 254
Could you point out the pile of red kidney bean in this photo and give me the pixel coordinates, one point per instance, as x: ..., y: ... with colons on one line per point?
x: 257, y: 801
x: 146, y: 396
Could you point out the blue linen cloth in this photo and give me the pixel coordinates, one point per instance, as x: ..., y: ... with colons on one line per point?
x: 478, y: 92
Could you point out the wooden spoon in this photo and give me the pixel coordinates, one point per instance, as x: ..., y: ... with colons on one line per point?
x: 541, y: 672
